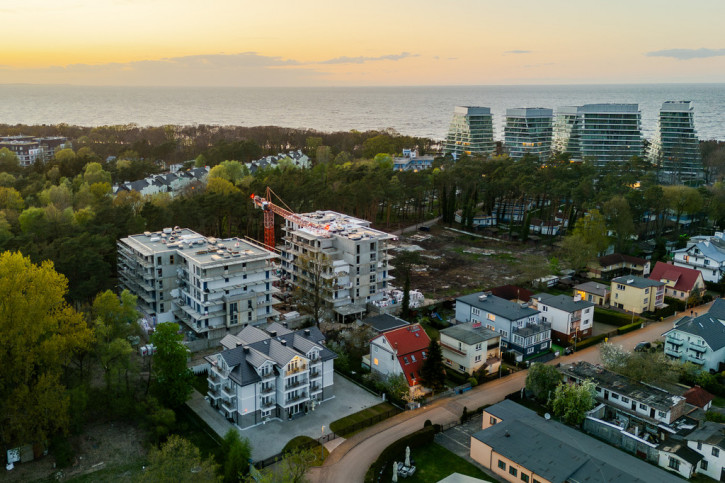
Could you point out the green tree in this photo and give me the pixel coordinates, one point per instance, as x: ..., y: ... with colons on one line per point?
x: 291, y: 469
x: 41, y: 334
x: 542, y: 380
x: 94, y: 173
x: 178, y: 460
x: 432, y: 373
x: 572, y: 401
x: 237, y: 452
x: 9, y: 162
x: 173, y: 379
x: 620, y: 220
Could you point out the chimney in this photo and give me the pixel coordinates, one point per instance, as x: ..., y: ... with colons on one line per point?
x: 307, y: 332
x: 273, y: 333
x: 246, y: 349
x: 284, y: 324
x: 284, y: 342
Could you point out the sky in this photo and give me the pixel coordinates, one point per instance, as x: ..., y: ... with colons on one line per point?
x: 360, y: 43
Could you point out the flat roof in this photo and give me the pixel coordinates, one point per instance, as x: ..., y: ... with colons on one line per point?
x: 637, y: 282
x: 342, y: 226
x: 468, y: 334
x: 497, y: 306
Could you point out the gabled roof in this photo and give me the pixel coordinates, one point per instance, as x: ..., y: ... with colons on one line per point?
x: 712, y: 248
x: 709, y: 433
x: 406, y: 340
x: 680, y: 449
x: 279, y: 328
x: 251, y: 334
x: 711, y: 327
x: 562, y: 302
x: 616, y: 258
x: 593, y: 288
x: 697, y: 396
x: 685, y: 278
x: 497, y: 305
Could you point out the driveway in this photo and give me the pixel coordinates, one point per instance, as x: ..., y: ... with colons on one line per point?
x: 351, y: 459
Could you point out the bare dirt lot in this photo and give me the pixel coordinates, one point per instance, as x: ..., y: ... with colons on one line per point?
x: 454, y: 263
x: 102, y: 446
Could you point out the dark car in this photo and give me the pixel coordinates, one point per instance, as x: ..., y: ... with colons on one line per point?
x: 423, y: 228
x: 643, y: 347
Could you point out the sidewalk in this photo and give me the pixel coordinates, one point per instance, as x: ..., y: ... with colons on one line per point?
x: 203, y: 409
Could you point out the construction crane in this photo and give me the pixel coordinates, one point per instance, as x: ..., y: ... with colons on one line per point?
x: 270, y: 209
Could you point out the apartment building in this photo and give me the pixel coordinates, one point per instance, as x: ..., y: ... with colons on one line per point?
x: 470, y: 132
x: 468, y: 348
x: 210, y: 285
x: 270, y: 374
x: 637, y: 294
x: 675, y: 147
x: 30, y: 149
x: 571, y: 318
x: 705, y: 254
x: 528, y: 131
x: 700, y: 340
x: 400, y: 351
x: 348, y: 261
x: 520, y: 326
x: 600, y: 132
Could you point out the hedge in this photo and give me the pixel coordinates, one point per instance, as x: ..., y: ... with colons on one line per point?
x: 629, y: 328
x: 613, y: 318
x: 396, y: 452
x: 595, y: 339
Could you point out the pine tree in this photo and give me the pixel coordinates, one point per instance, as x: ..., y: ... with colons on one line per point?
x: 433, y: 371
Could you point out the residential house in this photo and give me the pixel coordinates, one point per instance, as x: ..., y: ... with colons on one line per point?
x: 706, y: 254
x: 411, y: 161
x: 172, y: 182
x: 263, y: 375
x: 616, y: 265
x: 294, y: 158
x: 677, y: 457
x: 400, y: 351
x: 571, y: 318
x: 549, y: 228
x: 519, y: 446
x: 594, y: 292
x: 699, y: 397
x: 680, y: 282
x: 468, y: 348
x: 636, y: 294
x: 709, y: 441
x: 700, y: 340
x: 479, y: 219
x: 520, y: 326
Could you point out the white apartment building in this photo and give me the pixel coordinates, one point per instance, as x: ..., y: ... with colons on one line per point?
x: 352, y: 259
x: 468, y: 348
x: 709, y: 441
x: 570, y: 317
x: 211, y: 285
x: 270, y: 374
x: 706, y: 254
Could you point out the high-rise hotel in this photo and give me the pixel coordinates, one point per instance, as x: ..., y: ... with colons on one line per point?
x: 470, y: 133
x: 675, y: 147
x: 528, y: 131
x: 600, y: 132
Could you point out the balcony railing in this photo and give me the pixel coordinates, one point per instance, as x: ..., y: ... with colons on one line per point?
x: 452, y: 349
x: 673, y: 352
x: 315, y: 373
x: 268, y: 404
x: 698, y: 347
x: 267, y: 375
x: 214, y: 379
x: 299, y: 397
x: 294, y: 384
x: 267, y: 389
x: 295, y: 370
x: 228, y: 393
x: 673, y: 341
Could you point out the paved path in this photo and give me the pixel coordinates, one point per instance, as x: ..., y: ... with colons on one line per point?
x: 351, y: 459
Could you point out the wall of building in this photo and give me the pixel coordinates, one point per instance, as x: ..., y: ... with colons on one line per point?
x: 715, y: 464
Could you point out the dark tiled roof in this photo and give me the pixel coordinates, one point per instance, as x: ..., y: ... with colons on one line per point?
x: 709, y: 433
x: 710, y: 327
x: 593, y: 287
x: 637, y: 282
x: 562, y: 302
x: 680, y: 449
x: 384, y: 322
x: 469, y: 335
x: 498, y: 306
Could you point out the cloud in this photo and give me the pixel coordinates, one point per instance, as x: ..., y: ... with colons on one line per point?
x: 517, y: 52
x: 362, y: 60
x: 687, y: 54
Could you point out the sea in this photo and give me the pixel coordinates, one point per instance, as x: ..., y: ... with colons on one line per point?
x: 415, y: 111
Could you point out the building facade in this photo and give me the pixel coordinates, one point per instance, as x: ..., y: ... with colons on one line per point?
x: 211, y: 285
x: 400, y: 351
x: 636, y: 294
x: 594, y: 292
x: 600, y: 132
x: 675, y: 148
x: 348, y: 262
x: 700, y: 340
x: 571, y: 318
x: 618, y: 264
x: 520, y: 326
x: 706, y: 255
x: 468, y: 348
x: 270, y: 374
x: 529, y: 131
x: 470, y: 132
x: 680, y: 282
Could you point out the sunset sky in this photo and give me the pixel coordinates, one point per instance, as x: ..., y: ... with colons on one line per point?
x: 365, y: 42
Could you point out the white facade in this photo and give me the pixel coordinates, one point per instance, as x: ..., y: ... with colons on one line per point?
x: 569, y: 316
x: 466, y: 353
x: 382, y: 358
x: 707, y: 256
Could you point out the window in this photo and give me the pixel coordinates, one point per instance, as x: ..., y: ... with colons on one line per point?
x: 475, y: 311
x: 493, y: 421
x: 625, y: 399
x: 620, y: 287
x: 478, y: 347
x: 699, y: 445
x: 674, y: 464
x: 501, y: 464
x: 715, y: 452
x: 423, y: 354
x: 412, y: 376
x: 530, y: 350
x: 477, y: 358
x: 491, y: 317
x: 703, y: 464
x: 643, y: 406
x: 406, y: 360
x: 513, y: 471
x: 544, y: 308
x: 491, y: 327
x: 412, y: 357
x: 615, y: 396
x: 661, y: 414
x: 524, y: 478
x: 504, y: 333
x: 646, y: 290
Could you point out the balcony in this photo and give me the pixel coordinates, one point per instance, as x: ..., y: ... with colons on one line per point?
x: 673, y: 352
x: 673, y: 341
x: 266, y: 389
x: 267, y: 375
x: 696, y: 360
x: 214, y: 380
x: 292, y: 385
x: 452, y: 349
x: 228, y: 393
x: 315, y: 373
x: 296, y: 370
x: 299, y: 398
x: 229, y: 407
x: 698, y: 347
x: 268, y: 404
x: 214, y: 394
x: 315, y: 388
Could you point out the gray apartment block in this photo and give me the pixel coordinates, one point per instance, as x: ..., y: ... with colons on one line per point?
x: 210, y: 285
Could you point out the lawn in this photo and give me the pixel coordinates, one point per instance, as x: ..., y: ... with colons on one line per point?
x: 719, y: 402
x: 434, y: 462
x: 341, y: 425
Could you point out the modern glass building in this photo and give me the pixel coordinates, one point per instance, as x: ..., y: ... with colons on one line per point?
x: 675, y: 147
x: 528, y: 131
x: 470, y: 133
x: 600, y: 132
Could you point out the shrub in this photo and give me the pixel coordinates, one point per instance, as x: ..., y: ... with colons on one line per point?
x: 473, y: 381
x: 62, y: 450
x: 427, y: 423
x: 396, y: 452
x: 595, y: 339
x: 613, y: 318
x: 629, y: 328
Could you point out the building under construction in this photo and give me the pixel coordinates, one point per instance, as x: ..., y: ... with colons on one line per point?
x: 339, y: 255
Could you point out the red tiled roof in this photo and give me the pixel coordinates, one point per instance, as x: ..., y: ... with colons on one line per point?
x: 697, y: 396
x: 410, y: 342
x: 686, y: 277
x: 615, y: 258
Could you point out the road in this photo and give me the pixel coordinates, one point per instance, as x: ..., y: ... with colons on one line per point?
x: 351, y: 459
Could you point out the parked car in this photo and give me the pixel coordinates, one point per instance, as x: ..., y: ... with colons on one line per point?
x: 643, y: 347
x: 423, y: 228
